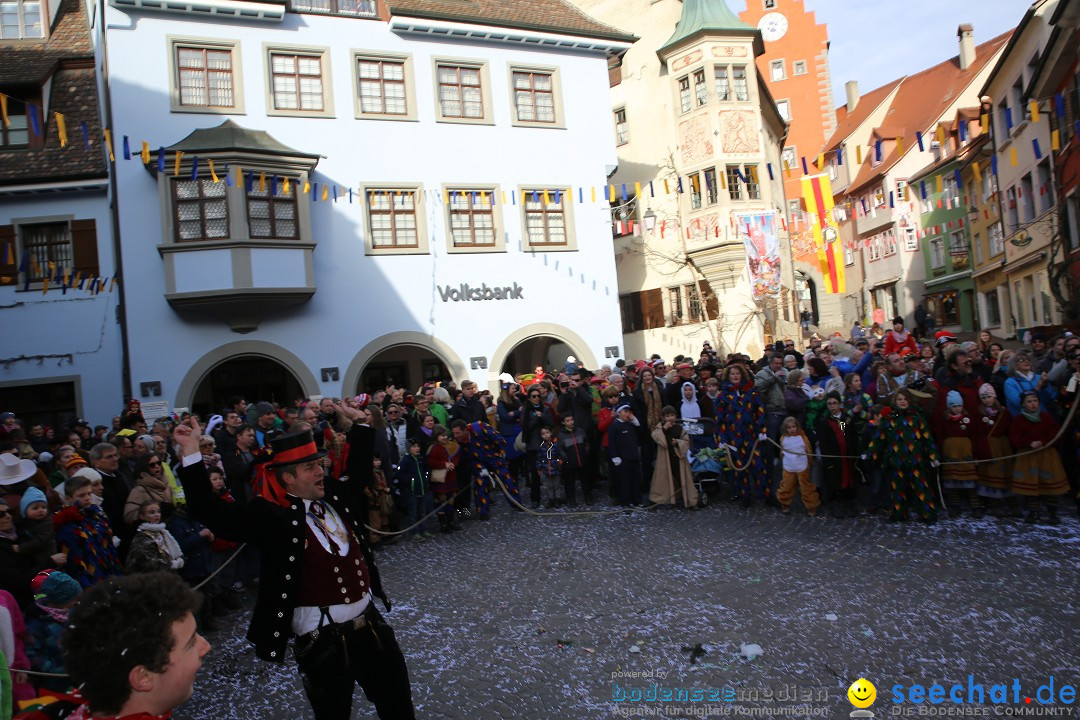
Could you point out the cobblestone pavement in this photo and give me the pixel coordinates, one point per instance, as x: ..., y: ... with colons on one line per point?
x: 527, y: 617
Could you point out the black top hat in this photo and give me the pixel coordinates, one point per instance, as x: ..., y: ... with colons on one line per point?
x: 294, y: 448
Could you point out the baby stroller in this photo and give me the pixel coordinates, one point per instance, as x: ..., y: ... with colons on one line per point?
x: 707, y: 461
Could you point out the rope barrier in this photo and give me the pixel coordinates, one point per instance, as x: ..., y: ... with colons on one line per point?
x: 538, y: 513
x: 419, y: 522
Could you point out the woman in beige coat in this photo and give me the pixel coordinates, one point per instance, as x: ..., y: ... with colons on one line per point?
x: 672, y: 478
x: 150, y: 486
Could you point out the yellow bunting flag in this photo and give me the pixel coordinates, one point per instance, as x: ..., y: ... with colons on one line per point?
x: 1055, y: 140
x: 723, y: 181
x: 213, y: 173
x: 821, y: 161
x: 61, y: 129
x: 445, y: 196
x: 325, y: 192
x: 817, y: 194
x: 145, y: 153
x: 3, y: 110
x: 1012, y: 156
x: 177, y: 156
x: 940, y: 136
x: 307, y: 186
x: 592, y: 193
x: 108, y: 144
x: 858, y: 154
x: 905, y: 192
x: 1034, y: 110
x: 76, y: 279
x: 239, y: 177
x: 984, y: 122
x: 45, y: 285
x: 667, y: 188
x: 503, y: 197
x: 753, y: 174
x: 611, y: 193
x: 285, y: 187
x: 899, y: 145
x: 34, y: 265
x: 637, y: 189
x: 976, y: 171
x: 938, y: 183
x: 262, y: 184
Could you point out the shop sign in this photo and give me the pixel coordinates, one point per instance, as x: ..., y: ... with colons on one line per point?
x: 469, y: 293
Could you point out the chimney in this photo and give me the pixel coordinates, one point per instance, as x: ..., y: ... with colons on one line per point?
x: 966, y: 33
x: 851, y: 87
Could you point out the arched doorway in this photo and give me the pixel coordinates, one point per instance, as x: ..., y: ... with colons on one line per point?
x: 543, y: 350
x: 254, y: 377
x: 404, y: 366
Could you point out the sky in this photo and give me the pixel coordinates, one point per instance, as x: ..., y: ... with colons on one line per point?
x: 875, y: 42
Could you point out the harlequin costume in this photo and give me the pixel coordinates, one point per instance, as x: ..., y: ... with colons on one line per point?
x: 1037, y: 475
x: 485, y: 451
x: 318, y: 579
x: 905, y: 450
x: 84, y: 534
x: 740, y: 419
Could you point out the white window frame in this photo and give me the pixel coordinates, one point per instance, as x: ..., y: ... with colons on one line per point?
x: 21, y: 225
x: 174, y: 43
x: 787, y: 104
x: 773, y: 66
x: 422, y: 235
x: 483, y: 66
x: 685, y: 92
x: 799, y: 65
x: 321, y: 52
x: 849, y: 255
x: 42, y: 23
x: 495, y: 192
x: 791, y: 150
x: 525, y: 194
x: 410, y: 114
x: 625, y: 135
x: 701, y: 89
x: 556, y: 96
x: 996, y: 235
x: 911, y: 240
x: 937, y: 252
x: 889, y: 242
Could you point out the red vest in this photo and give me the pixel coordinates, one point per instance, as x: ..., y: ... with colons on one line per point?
x: 327, y: 578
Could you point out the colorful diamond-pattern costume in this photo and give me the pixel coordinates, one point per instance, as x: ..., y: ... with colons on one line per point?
x: 904, y: 447
x: 486, y: 450
x: 740, y: 419
x: 85, y: 536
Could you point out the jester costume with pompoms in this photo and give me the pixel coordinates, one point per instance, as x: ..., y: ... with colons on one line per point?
x: 486, y: 450
x: 740, y: 419
x: 84, y: 534
x: 904, y: 447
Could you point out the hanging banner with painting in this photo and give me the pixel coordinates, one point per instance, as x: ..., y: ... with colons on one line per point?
x: 759, y: 232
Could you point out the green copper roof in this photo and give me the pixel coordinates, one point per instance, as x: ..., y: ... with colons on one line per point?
x: 706, y: 16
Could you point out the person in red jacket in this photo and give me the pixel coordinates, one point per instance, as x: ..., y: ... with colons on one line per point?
x: 899, y: 337
x: 1037, y: 475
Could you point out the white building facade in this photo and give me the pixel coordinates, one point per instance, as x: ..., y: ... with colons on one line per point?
x: 396, y: 195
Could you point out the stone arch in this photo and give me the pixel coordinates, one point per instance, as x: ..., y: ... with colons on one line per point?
x: 185, y: 393
x: 586, y: 357
x: 457, y: 368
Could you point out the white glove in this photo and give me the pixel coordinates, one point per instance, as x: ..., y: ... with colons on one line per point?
x: 863, y: 456
x: 763, y: 436
x: 934, y: 463
x: 616, y: 461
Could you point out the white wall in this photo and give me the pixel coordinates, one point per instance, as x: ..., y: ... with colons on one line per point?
x: 361, y: 298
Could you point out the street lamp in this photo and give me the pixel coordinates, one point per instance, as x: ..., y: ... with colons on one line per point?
x: 650, y: 220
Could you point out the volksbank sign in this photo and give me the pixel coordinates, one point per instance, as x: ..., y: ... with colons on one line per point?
x: 468, y: 293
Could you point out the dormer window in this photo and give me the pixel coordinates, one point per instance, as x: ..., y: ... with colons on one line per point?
x: 354, y: 8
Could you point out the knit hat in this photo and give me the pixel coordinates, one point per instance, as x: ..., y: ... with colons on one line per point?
x: 362, y: 400
x: 263, y: 408
x: 75, y: 461
x: 149, y: 442
x: 90, y: 474
x: 622, y: 407
x: 987, y: 390
x: 953, y: 398
x: 31, y: 496
x: 54, y: 588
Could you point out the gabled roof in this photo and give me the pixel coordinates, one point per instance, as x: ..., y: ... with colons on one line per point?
x: 847, y: 123
x: 544, y: 15
x: 921, y: 102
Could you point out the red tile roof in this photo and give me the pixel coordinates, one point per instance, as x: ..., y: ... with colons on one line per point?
x: 543, y: 15
x: 847, y: 123
x: 921, y: 102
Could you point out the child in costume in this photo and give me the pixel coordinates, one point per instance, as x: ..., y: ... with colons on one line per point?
x: 548, y: 467
x: 991, y: 426
x: 905, y: 450
x: 1037, y: 476
x: 671, y: 477
x: 797, y: 456
x: 955, y: 435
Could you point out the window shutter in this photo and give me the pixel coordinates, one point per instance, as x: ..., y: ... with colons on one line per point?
x: 84, y: 250
x: 652, y: 307
x: 709, y: 301
x: 8, y: 270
